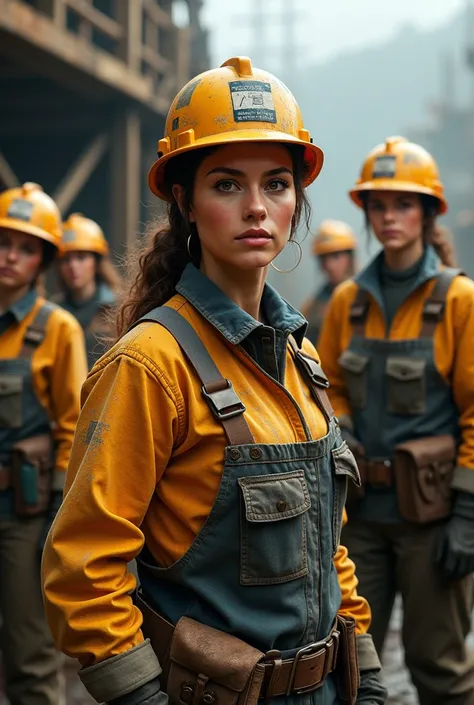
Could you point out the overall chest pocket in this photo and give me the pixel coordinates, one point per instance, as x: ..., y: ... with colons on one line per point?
x: 406, y: 385
x: 354, y: 368
x: 345, y: 470
x: 11, y: 388
x: 273, y: 528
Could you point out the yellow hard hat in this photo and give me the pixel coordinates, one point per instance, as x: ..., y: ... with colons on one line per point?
x: 28, y: 209
x: 234, y: 103
x: 400, y: 165
x: 334, y: 236
x: 83, y: 234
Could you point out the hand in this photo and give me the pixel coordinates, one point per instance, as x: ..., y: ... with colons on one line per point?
x: 455, y: 553
x: 54, y: 504
x: 371, y: 691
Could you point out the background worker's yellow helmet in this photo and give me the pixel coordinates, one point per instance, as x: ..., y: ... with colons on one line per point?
x: 334, y: 236
x: 82, y: 234
x: 28, y: 209
x: 234, y: 103
x: 400, y: 165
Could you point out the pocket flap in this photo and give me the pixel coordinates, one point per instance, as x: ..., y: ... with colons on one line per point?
x: 405, y: 369
x: 429, y: 450
x: 221, y: 657
x: 275, y: 497
x: 345, y: 463
x: 10, y: 384
x: 353, y: 362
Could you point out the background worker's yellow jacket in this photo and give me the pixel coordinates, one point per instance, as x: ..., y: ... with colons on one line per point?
x: 453, y: 352
x: 143, y: 433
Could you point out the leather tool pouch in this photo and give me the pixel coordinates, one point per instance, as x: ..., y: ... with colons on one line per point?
x: 347, y: 674
x: 31, y: 467
x: 423, y: 472
x: 210, y: 667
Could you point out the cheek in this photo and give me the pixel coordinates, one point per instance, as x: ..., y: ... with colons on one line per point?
x: 414, y: 222
x: 216, y: 214
x: 33, y: 265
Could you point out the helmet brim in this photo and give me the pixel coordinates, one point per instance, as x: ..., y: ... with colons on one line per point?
x: 23, y: 226
x: 74, y: 247
x: 393, y: 185
x: 313, y: 156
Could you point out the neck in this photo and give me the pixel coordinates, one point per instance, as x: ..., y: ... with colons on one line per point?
x: 244, y: 288
x: 85, y: 293
x: 404, y: 259
x: 8, y: 297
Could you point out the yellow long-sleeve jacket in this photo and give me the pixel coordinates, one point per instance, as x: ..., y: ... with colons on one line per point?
x: 453, y: 351
x: 143, y: 431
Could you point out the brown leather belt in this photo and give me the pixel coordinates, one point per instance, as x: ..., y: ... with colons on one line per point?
x: 305, y: 672
x: 376, y: 473
x: 5, y: 477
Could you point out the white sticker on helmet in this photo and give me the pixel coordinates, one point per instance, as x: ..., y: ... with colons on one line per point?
x: 385, y: 167
x: 252, y: 101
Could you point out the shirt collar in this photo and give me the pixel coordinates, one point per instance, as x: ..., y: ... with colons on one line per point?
x: 21, y: 308
x: 234, y: 323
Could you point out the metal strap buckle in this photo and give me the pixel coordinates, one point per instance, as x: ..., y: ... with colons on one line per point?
x: 33, y: 336
x: 314, y: 370
x: 433, y: 309
x: 358, y: 312
x: 318, y: 646
x: 224, y: 403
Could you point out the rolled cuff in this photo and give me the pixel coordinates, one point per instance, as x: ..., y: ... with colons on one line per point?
x: 368, y: 658
x: 121, y: 674
x: 463, y: 479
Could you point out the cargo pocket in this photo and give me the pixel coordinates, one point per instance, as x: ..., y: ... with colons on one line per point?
x: 11, y: 388
x: 273, y: 528
x: 406, y: 385
x: 355, y: 377
x: 345, y: 470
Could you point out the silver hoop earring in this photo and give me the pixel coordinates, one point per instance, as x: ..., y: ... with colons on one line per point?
x: 300, y: 256
x: 188, y: 246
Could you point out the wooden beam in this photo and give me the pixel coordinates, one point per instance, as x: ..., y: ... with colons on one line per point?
x: 7, y: 175
x: 125, y: 180
x: 130, y: 17
x: 157, y: 15
x: 56, y: 9
x: 80, y: 172
x: 105, y: 24
x: 156, y: 61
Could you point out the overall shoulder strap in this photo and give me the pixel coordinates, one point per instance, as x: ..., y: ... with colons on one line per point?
x: 313, y: 375
x: 359, y: 311
x: 216, y: 390
x: 36, y: 332
x: 433, y: 308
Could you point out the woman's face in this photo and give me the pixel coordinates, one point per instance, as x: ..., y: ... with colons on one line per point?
x: 337, y: 266
x: 243, y: 203
x: 78, y: 269
x: 21, y: 257
x: 396, y: 218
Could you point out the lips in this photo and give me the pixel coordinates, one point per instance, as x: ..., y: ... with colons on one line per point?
x: 7, y: 272
x: 255, y: 234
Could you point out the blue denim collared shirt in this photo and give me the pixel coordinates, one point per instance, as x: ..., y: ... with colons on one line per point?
x: 265, y: 343
x: 17, y: 311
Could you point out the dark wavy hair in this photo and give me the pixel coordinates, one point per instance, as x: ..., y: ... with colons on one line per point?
x: 155, y: 268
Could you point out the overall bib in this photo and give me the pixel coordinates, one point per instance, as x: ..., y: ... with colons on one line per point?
x: 396, y: 394
x: 31, y: 662
x: 262, y: 566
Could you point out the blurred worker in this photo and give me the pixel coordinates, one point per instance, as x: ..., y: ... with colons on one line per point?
x: 89, y: 281
x: 42, y: 364
x: 334, y: 247
x: 397, y: 345
x: 200, y: 449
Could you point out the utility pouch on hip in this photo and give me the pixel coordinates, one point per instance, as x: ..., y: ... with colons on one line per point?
x: 423, y: 472
x: 347, y: 673
x: 208, y: 667
x: 31, y: 467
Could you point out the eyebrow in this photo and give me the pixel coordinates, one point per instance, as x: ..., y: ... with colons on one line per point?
x: 237, y: 172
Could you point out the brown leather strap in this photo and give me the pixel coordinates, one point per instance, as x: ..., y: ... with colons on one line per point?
x: 376, y: 473
x: 216, y: 390
x: 359, y: 311
x: 434, y: 306
x: 313, y: 375
x: 36, y: 332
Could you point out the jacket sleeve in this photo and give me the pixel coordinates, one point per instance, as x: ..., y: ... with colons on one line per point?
x: 330, y: 347
x: 123, y: 442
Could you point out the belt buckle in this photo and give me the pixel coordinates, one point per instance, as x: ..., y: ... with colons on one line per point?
x: 311, y: 648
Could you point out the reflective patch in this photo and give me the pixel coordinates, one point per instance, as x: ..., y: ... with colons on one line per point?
x: 385, y: 167
x: 175, y: 123
x: 186, y: 94
x: 252, y: 101
x: 20, y: 209
x: 69, y: 236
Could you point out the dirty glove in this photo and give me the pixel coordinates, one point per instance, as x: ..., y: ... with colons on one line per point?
x: 147, y: 694
x: 455, y: 553
x: 54, y: 504
x: 371, y: 691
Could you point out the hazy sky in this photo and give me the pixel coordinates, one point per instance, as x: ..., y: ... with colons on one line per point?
x: 326, y: 27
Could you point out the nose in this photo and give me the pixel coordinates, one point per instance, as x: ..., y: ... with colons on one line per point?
x: 12, y: 254
x: 255, y: 208
x: 389, y: 214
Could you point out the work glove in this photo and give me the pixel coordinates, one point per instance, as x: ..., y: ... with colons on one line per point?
x: 371, y: 691
x: 455, y: 553
x: 147, y: 694
x: 54, y: 504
